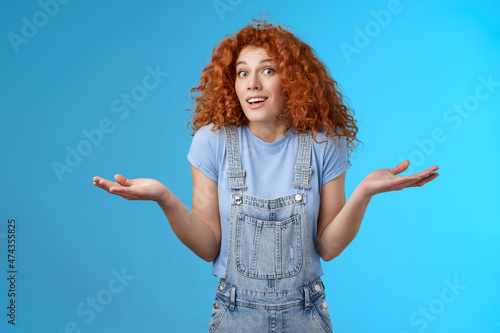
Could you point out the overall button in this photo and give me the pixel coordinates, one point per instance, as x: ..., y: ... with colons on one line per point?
x: 298, y: 197
x: 323, y: 305
x: 237, y: 199
x: 317, y: 287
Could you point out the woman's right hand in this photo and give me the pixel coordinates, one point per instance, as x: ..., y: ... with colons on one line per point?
x: 134, y: 189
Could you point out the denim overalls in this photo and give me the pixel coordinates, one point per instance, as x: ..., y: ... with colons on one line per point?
x: 270, y: 284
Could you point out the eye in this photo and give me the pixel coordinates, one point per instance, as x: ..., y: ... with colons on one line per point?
x: 269, y: 71
x: 242, y: 74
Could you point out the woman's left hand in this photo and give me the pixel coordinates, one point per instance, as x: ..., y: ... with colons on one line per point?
x: 386, y: 180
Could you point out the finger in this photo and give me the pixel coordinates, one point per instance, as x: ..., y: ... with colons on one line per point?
x: 105, y: 184
x: 125, y: 196
x: 122, y: 190
x: 426, y: 172
x: 414, y: 180
x: 403, y: 182
x: 98, y: 180
x: 128, y: 197
x: 400, y: 167
x: 423, y: 173
x: 123, y: 180
x: 432, y: 168
x: 425, y: 180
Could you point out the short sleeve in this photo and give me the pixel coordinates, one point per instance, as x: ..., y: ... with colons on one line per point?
x: 336, y: 159
x: 203, y: 152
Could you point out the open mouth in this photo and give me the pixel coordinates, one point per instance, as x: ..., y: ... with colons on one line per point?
x: 256, y: 100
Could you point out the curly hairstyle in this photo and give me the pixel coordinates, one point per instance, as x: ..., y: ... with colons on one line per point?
x: 312, y: 98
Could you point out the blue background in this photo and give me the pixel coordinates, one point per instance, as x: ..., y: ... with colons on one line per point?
x: 402, y: 79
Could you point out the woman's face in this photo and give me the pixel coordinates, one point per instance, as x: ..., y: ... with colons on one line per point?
x: 258, y: 86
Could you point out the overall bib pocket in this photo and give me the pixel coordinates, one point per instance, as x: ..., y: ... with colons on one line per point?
x: 268, y: 249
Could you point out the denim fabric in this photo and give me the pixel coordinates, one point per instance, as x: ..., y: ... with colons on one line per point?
x: 270, y: 284
x: 288, y: 311
x: 269, y: 173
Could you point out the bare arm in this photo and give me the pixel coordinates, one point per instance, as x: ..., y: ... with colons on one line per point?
x: 198, y: 230
x: 339, y: 221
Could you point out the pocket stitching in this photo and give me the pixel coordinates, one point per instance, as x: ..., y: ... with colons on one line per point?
x: 294, y: 220
x: 223, y: 310
x: 318, y: 316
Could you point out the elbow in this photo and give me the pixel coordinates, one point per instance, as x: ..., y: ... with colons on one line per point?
x: 209, y: 257
x: 208, y: 251
x: 327, y: 258
x: 330, y: 254
x: 328, y: 249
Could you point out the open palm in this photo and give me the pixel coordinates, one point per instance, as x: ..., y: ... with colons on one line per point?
x: 385, y: 180
x: 133, y: 189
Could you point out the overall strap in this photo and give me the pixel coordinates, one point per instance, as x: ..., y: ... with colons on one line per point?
x: 303, y: 169
x: 235, y: 172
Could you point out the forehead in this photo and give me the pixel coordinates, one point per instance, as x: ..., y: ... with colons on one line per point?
x: 252, y: 53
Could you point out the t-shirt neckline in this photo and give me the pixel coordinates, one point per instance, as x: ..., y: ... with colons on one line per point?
x: 267, y: 145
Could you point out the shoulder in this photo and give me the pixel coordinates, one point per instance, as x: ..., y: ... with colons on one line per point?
x: 207, y: 136
x: 325, y: 143
x: 207, y: 132
x: 206, y: 151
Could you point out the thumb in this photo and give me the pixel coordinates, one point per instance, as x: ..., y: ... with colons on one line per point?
x: 400, y: 167
x: 122, y: 180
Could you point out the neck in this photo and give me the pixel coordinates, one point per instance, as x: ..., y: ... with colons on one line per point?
x: 267, y: 132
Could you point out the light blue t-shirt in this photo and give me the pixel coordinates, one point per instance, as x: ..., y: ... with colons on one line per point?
x: 269, y: 174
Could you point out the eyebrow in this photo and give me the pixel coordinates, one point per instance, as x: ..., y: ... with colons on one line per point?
x: 260, y: 62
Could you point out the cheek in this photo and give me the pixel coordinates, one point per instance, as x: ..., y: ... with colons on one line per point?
x: 239, y: 90
x: 278, y: 92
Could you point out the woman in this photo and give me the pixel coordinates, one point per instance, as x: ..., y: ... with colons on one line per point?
x: 268, y: 160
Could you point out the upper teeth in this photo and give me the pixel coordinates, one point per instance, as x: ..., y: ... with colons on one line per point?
x: 256, y: 99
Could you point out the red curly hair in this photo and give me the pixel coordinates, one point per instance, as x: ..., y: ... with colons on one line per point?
x: 312, y: 98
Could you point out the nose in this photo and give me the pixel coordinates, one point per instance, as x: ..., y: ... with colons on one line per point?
x: 254, y: 82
